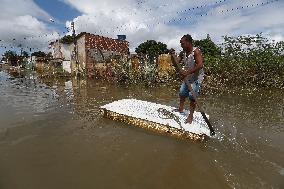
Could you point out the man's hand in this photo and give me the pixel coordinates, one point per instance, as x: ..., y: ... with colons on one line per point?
x: 176, y: 63
x: 184, y: 73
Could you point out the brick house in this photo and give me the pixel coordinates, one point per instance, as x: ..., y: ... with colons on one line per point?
x: 94, y: 49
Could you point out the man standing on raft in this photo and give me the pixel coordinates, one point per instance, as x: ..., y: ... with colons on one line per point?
x: 192, y: 74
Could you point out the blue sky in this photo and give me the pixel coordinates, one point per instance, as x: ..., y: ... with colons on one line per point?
x: 59, y: 11
x: 28, y: 23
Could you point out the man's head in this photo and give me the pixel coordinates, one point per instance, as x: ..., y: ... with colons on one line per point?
x: 186, y: 42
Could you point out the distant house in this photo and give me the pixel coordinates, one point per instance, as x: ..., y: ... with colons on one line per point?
x: 39, y: 62
x: 91, y: 49
x: 94, y: 49
x: 62, y: 54
x: 61, y: 50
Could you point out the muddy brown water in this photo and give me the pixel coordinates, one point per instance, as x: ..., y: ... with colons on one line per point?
x: 52, y: 135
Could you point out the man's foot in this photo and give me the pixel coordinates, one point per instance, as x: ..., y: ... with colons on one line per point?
x: 189, y: 119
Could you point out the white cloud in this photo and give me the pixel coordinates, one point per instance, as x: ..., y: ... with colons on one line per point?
x: 21, y: 7
x: 137, y: 20
x: 268, y: 20
x: 23, y: 23
x: 161, y: 20
x: 142, y: 20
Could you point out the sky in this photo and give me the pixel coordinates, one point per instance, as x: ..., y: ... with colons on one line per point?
x: 33, y: 24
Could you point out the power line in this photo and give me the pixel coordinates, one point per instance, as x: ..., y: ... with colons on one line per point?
x: 13, y: 42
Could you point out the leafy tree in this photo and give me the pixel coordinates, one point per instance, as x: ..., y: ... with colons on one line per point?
x: 250, y: 61
x: 39, y: 54
x: 67, y: 39
x: 10, y: 55
x: 208, y: 47
x: 49, y: 55
x: 152, y: 49
x: 25, y: 54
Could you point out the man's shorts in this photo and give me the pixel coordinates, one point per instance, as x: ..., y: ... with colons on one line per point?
x: 185, y: 92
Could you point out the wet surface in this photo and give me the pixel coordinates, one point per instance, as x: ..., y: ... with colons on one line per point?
x: 52, y: 135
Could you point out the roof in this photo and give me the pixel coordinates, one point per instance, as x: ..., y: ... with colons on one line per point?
x: 105, y: 43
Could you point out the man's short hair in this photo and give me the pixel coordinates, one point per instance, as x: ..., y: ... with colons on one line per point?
x: 188, y: 38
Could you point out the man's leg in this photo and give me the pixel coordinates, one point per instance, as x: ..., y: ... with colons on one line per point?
x: 181, y: 103
x: 195, y: 88
x: 183, y: 94
x: 192, y: 107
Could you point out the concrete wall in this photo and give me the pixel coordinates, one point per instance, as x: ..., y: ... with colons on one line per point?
x: 62, y: 51
x: 66, y: 66
x: 67, y: 51
x: 82, y: 52
x: 81, y: 57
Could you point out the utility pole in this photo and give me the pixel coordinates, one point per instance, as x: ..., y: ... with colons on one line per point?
x: 21, y: 49
x: 75, y: 47
x: 20, y: 58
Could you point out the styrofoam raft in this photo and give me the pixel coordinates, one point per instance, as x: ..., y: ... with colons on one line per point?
x: 158, y: 117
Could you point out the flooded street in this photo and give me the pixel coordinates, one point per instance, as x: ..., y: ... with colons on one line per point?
x: 52, y: 135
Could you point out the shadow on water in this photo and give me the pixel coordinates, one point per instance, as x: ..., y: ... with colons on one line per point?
x: 52, y: 135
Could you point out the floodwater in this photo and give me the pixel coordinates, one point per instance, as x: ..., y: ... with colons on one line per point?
x: 52, y: 135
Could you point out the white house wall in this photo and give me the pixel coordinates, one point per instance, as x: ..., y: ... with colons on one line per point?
x: 81, y: 51
x: 62, y: 51
x: 67, y: 51
x: 66, y: 66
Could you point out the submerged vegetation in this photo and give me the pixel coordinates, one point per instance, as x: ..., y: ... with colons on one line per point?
x: 244, y: 61
x: 238, y: 62
x: 251, y: 61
